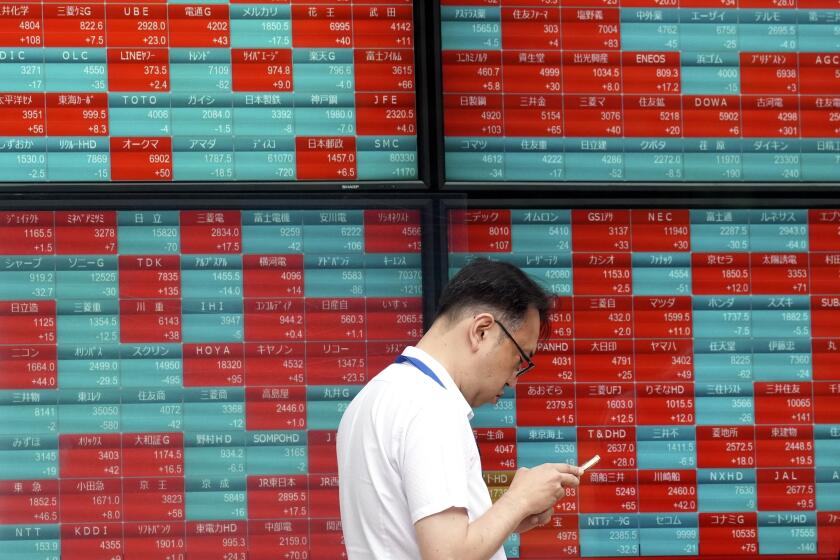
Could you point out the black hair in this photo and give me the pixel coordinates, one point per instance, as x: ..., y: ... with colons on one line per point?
x: 501, y: 286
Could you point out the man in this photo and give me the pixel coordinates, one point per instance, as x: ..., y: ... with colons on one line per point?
x: 410, y: 478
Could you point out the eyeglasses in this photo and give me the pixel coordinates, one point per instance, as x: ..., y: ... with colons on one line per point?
x: 526, y: 364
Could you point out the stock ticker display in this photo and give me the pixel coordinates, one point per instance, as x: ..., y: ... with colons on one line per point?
x: 698, y: 353
x: 641, y: 90
x: 171, y: 381
x: 158, y: 90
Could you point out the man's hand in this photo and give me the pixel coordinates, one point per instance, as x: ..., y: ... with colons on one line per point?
x: 537, y: 490
x: 535, y: 520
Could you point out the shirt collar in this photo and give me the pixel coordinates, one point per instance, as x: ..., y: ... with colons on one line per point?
x: 444, y: 377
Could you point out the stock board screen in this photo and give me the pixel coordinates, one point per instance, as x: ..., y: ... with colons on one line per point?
x: 157, y: 90
x: 171, y: 381
x: 641, y: 90
x: 698, y: 353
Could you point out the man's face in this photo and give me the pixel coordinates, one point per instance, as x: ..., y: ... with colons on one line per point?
x: 503, y: 359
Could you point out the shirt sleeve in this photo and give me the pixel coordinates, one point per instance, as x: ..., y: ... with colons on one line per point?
x: 436, y: 460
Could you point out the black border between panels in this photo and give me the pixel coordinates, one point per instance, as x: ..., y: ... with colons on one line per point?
x: 436, y: 82
x: 211, y: 200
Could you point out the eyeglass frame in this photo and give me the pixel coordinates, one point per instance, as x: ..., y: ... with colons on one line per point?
x: 525, y: 357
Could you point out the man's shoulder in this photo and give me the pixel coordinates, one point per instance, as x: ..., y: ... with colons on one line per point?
x: 401, y: 390
x: 403, y: 378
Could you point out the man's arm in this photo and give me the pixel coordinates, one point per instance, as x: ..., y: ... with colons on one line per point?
x: 448, y: 535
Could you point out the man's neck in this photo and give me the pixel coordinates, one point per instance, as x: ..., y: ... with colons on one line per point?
x: 439, y: 346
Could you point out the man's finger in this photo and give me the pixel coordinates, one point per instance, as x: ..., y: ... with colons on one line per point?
x: 563, y: 468
x: 568, y: 480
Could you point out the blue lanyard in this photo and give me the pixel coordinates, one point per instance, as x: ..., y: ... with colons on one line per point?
x: 402, y: 359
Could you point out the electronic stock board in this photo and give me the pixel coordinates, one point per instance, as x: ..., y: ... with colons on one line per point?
x: 171, y: 381
x: 651, y: 91
x: 157, y: 90
x: 698, y: 353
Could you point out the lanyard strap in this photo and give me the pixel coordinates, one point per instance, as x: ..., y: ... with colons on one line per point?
x: 403, y: 359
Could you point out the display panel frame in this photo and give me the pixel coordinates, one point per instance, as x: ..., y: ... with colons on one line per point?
x: 425, y: 129
x: 599, y: 202
x: 569, y: 188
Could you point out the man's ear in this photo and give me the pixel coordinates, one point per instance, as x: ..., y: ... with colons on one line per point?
x: 479, y: 327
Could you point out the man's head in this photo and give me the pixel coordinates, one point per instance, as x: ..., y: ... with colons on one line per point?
x: 498, y: 313
x: 496, y: 286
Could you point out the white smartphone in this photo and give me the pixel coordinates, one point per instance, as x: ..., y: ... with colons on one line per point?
x: 590, y: 463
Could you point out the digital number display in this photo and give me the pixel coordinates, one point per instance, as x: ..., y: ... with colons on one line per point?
x: 171, y: 381
x: 641, y: 90
x: 156, y: 90
x: 698, y: 353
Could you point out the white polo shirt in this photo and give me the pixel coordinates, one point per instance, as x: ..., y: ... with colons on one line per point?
x: 406, y: 451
